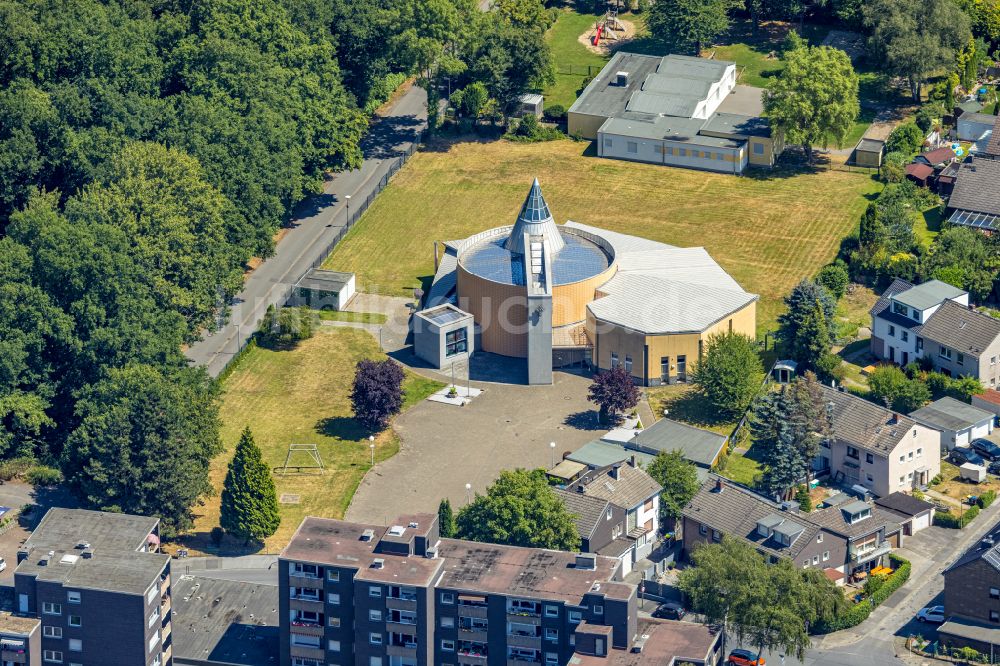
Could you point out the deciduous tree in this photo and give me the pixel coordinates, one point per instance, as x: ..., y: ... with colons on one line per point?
x: 679, y: 479
x: 614, y: 392
x: 519, y: 509
x: 689, y: 25
x: 815, y: 98
x: 730, y: 373
x: 377, y: 394
x: 249, y: 507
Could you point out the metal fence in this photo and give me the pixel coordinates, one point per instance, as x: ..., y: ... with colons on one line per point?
x: 578, y: 70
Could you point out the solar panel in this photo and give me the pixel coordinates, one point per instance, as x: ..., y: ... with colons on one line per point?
x: 968, y: 218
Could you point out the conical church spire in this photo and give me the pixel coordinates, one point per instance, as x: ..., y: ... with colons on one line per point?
x: 534, y: 220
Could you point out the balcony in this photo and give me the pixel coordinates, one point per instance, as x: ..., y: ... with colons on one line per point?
x: 306, y: 605
x: 476, y: 634
x: 470, y: 610
x: 472, y: 659
x: 168, y: 653
x: 522, y: 641
x: 397, y: 603
x: 165, y: 585
x: 405, y: 651
x: 14, y: 656
x: 861, y: 557
x: 400, y: 627
x: 165, y: 605
x: 523, y: 618
x: 300, y: 580
x: 165, y: 632
x: 308, y: 653
x: 518, y: 661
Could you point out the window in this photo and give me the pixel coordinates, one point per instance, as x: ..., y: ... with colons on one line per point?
x: 50, y: 608
x: 333, y: 646
x: 305, y: 570
x: 334, y: 621
x: 447, y: 598
x: 819, y: 538
x: 74, y: 621
x: 892, y: 331
x: 155, y: 639
x: 333, y: 575
x: 994, y: 593
x: 920, y: 341
x: 902, y: 480
x: 902, y: 459
x: 52, y: 632
x: 853, y: 453
x: 52, y: 655
x: 826, y: 555
x: 869, y: 458
x: 758, y: 149
x: 552, y: 611
x: 447, y: 622
x: 993, y: 360
x: 598, y: 610
x: 720, y: 156
x: 607, y: 142
x: 614, y: 360
x: 455, y: 342
x: 944, y: 352
x: 628, y: 363
x: 904, y: 336
x: 448, y: 646
x: 805, y: 563
x: 916, y: 314
x: 153, y: 617
x: 702, y: 530
x: 551, y: 634
x: 909, y: 456
x: 551, y: 658
x: 375, y: 638
x: 632, y: 147
x: 75, y: 645
x: 669, y: 150
x: 375, y: 615
x: 333, y: 598
x: 716, y: 536
x: 374, y: 661
x: 899, y: 308
x: 683, y: 152
x: 961, y: 358
x: 374, y: 591
x: 870, y: 478
x: 575, y: 617
x: 994, y: 616
x: 73, y: 597
x: 815, y: 560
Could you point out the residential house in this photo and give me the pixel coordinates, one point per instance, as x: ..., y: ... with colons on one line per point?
x: 99, y: 587
x: 972, y: 597
x: 352, y: 593
x: 975, y: 195
x: 902, y: 308
x: 911, y: 513
x: 20, y: 640
x: 841, y: 540
x: 627, y: 486
x: 958, y: 422
x: 601, y: 526
x: 874, y: 447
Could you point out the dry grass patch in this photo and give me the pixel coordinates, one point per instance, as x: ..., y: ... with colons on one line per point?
x: 298, y: 396
x: 769, y: 230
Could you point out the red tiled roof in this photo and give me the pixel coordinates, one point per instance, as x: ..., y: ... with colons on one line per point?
x: 990, y: 396
x: 919, y: 171
x: 938, y: 155
x: 833, y: 574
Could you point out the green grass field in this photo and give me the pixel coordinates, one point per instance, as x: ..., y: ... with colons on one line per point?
x: 572, y: 59
x: 769, y: 229
x: 302, y: 396
x: 355, y: 317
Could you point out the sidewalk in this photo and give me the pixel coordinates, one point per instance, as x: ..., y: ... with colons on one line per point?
x: 315, y: 224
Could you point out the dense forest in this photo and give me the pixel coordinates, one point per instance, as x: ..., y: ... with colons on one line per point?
x: 148, y: 149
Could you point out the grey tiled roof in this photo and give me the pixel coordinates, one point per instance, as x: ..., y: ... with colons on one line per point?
x: 950, y: 414
x: 632, y: 487
x: 898, y: 286
x: 960, y: 328
x: 834, y: 519
x: 977, y: 187
x: 587, y: 511
x: 735, y: 512
x: 928, y: 294
x: 864, y: 424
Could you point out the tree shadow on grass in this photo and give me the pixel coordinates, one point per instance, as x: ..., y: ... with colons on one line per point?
x: 345, y: 428
x: 691, y: 408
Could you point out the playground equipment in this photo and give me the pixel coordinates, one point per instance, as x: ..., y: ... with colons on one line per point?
x: 608, y: 27
x: 310, y: 450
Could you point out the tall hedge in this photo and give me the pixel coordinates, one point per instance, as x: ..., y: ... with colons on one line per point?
x: 859, y: 612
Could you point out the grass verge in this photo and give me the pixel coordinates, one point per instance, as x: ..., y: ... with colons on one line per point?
x: 353, y: 317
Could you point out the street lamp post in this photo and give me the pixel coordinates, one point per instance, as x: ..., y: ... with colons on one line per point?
x: 371, y: 445
x: 468, y: 493
x: 347, y: 200
x: 552, y: 455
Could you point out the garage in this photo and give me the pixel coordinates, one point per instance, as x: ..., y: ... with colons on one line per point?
x: 913, y: 514
x: 957, y: 422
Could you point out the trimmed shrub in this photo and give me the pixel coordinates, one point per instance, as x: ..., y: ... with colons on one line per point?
x: 859, y: 612
x: 986, y: 499
x: 555, y: 113
x: 15, y: 468
x: 894, y: 167
x: 955, y: 522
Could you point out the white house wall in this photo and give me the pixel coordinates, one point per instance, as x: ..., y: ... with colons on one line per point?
x: 655, y: 151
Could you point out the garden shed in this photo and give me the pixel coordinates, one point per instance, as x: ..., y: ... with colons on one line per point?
x: 868, y: 153
x: 532, y: 105
x: 324, y: 290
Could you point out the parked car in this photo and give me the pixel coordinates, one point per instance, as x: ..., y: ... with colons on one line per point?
x: 986, y: 448
x: 994, y: 468
x: 931, y: 614
x: 670, y: 611
x: 745, y: 658
x: 960, y: 456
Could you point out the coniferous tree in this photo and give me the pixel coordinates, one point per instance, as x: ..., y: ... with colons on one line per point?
x: 249, y: 500
x: 446, y: 519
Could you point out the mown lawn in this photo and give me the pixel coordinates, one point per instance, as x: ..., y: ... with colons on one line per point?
x: 742, y: 468
x: 768, y: 229
x: 684, y: 404
x: 573, y: 61
x: 301, y: 396
x: 355, y: 317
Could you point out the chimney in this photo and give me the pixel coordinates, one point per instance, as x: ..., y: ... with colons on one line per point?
x: 893, y: 418
x: 613, y: 472
x: 631, y: 460
x: 719, y: 487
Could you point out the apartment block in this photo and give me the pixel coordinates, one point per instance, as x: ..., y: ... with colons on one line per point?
x: 99, y: 589
x: 402, y: 596
x: 20, y: 641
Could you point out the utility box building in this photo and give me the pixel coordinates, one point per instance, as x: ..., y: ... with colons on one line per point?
x: 532, y: 104
x: 443, y: 335
x: 323, y: 290
x: 868, y: 153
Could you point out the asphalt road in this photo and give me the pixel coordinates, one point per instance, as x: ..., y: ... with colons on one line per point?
x: 315, y: 223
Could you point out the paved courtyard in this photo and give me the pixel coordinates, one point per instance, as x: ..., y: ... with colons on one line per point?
x: 445, y: 447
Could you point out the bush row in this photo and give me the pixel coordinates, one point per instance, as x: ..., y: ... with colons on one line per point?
x: 953, y: 522
x: 31, y: 471
x: 859, y: 612
x: 986, y: 499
